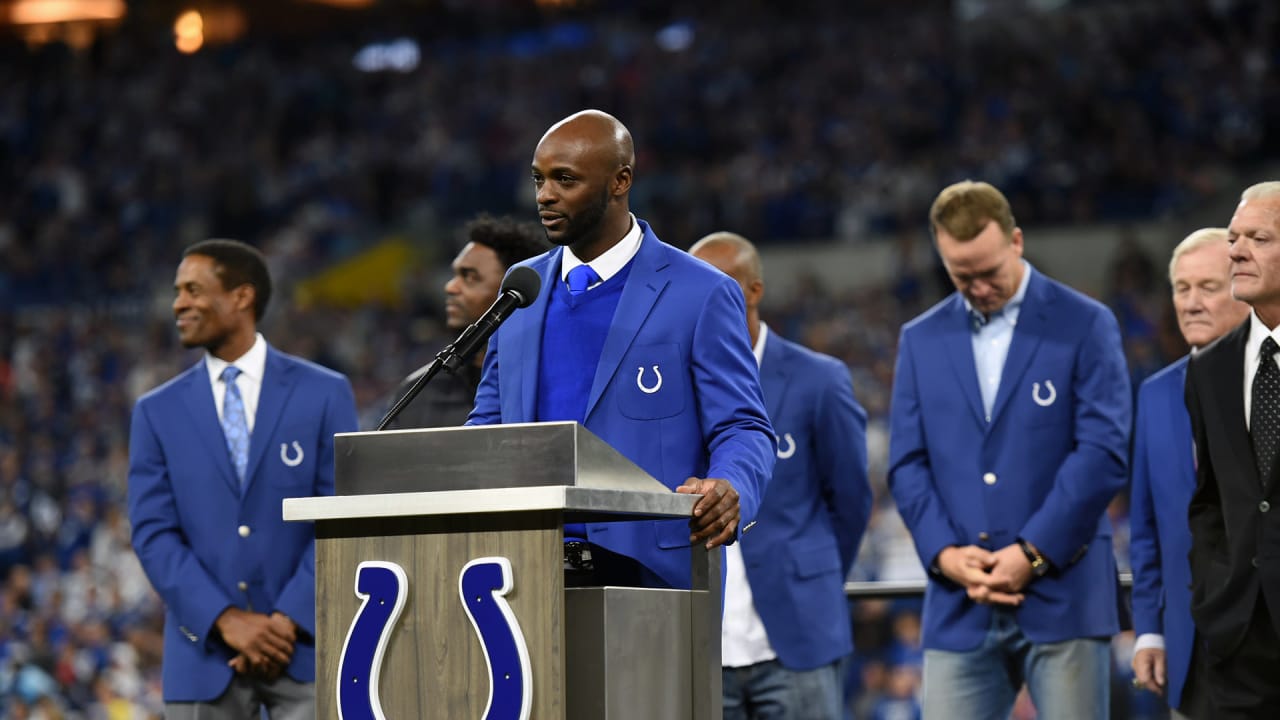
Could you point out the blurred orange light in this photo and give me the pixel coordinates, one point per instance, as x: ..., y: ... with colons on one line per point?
x: 27, y: 12
x: 188, y: 32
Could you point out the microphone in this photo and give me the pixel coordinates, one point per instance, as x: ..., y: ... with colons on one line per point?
x: 519, y: 289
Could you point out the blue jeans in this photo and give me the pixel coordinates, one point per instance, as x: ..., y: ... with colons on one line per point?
x: 1069, y: 680
x: 769, y: 691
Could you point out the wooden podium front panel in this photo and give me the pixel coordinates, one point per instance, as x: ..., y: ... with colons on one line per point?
x: 434, y: 665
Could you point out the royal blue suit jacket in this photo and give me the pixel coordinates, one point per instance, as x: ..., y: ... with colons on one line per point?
x: 1164, y: 479
x: 688, y: 320
x: 816, y: 507
x: 204, y: 545
x: 1044, y: 468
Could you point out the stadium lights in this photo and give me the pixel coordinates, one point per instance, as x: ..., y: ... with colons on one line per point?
x: 35, y: 12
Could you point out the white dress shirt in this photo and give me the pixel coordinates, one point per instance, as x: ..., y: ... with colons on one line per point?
x: 611, y: 261
x: 252, y: 365
x: 743, y: 640
x: 1257, y: 333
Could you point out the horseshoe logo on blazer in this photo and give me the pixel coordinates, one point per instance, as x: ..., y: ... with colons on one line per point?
x: 294, y: 461
x: 791, y: 446
x: 1044, y: 401
x: 640, y: 380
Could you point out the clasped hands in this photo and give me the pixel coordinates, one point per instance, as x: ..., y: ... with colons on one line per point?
x: 264, y: 643
x: 990, y: 578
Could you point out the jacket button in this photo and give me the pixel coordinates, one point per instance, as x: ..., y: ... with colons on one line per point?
x: 1254, y: 562
x: 242, y: 585
x: 984, y: 536
x: 1264, y: 506
x: 244, y: 531
x: 989, y: 478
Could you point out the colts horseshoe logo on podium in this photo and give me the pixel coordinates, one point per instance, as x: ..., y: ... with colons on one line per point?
x: 482, y: 586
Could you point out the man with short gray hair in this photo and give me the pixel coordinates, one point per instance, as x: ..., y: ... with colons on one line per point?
x: 1163, y: 479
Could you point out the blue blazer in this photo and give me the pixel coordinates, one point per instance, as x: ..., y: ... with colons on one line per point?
x: 203, y: 545
x: 1164, y: 479
x: 687, y: 320
x: 1044, y: 468
x: 815, y: 509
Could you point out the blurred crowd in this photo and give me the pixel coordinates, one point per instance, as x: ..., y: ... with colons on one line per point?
x: 821, y: 124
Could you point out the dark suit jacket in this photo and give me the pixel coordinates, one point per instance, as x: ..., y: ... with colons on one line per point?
x: 1235, y: 531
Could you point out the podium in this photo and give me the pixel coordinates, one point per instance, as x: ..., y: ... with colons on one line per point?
x: 448, y: 545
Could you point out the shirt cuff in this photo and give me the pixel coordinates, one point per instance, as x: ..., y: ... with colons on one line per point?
x: 1149, y: 641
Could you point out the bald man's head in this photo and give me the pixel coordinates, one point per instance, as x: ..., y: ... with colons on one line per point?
x: 736, y: 257
x: 603, y: 131
x: 582, y: 170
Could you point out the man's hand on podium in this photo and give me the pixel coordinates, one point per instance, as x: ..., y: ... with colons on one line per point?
x: 715, y: 517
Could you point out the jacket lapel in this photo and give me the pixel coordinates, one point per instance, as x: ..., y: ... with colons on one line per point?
x: 1032, y: 324
x: 957, y: 340
x: 773, y: 375
x: 1180, y: 425
x: 1228, y: 379
x: 277, y: 385
x: 528, y: 328
x: 644, y: 286
x: 197, y: 394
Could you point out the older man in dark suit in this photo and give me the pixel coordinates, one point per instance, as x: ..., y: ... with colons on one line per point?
x: 1233, y: 396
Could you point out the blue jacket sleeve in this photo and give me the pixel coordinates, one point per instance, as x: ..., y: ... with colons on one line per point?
x: 842, y: 461
x: 910, y: 472
x: 488, y: 407
x: 1096, y: 469
x: 189, y: 591
x: 735, y: 427
x: 1144, y: 543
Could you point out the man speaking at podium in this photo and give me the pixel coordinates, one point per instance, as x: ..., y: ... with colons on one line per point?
x: 643, y: 345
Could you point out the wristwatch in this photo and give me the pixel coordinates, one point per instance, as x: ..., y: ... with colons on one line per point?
x: 1039, y: 565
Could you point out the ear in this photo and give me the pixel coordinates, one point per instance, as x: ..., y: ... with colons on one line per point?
x: 621, y: 181
x: 755, y: 292
x: 244, y: 297
x: 1015, y: 239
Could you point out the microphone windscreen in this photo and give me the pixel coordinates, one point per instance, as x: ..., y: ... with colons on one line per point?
x: 525, y: 282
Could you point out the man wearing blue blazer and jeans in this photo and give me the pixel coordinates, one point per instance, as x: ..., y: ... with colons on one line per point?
x: 786, y: 621
x: 1164, y: 479
x: 1009, y: 436
x: 644, y: 345
x: 212, y: 454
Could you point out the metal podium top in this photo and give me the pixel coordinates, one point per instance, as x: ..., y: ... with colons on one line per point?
x: 483, y: 457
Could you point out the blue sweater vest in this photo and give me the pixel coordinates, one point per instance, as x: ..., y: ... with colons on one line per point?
x: 573, y: 335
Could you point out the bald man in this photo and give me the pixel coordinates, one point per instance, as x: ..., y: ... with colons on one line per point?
x: 643, y: 345
x: 1164, y: 477
x: 786, y: 621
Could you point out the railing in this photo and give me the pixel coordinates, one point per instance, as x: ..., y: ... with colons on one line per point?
x: 879, y: 590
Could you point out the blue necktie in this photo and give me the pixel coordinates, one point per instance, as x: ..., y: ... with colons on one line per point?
x: 235, y: 426
x: 581, y: 278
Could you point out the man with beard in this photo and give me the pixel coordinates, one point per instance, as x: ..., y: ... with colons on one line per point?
x: 493, y: 246
x: 212, y: 454
x: 645, y: 346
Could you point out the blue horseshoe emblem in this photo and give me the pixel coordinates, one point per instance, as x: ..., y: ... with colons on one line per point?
x: 382, y: 587
x: 483, y: 584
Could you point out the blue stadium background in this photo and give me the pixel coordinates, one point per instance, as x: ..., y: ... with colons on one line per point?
x: 349, y: 139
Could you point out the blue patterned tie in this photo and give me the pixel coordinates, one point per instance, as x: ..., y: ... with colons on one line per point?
x: 581, y: 278
x: 235, y: 426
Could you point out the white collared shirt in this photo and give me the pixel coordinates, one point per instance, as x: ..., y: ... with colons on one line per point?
x: 1257, y: 333
x: 611, y: 261
x: 743, y: 639
x: 991, y: 342
x: 253, y: 365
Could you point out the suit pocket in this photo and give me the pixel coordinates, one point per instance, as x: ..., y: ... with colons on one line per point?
x: 651, y: 381
x: 672, y: 534
x: 814, y: 559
